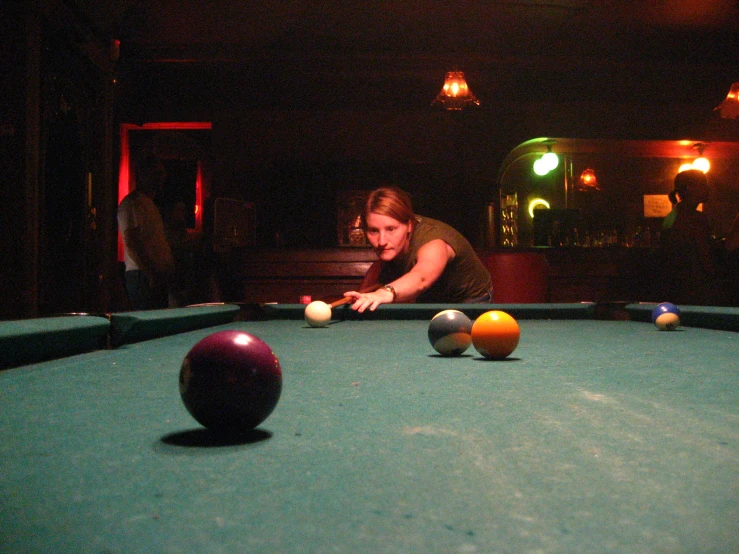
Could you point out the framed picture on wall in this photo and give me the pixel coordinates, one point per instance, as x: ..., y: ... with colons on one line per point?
x: 234, y: 223
x: 350, y: 206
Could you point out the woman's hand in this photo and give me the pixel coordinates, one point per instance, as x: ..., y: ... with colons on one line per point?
x: 364, y: 300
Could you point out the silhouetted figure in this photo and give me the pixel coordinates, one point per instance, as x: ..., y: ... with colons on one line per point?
x: 148, y: 256
x: 692, y: 265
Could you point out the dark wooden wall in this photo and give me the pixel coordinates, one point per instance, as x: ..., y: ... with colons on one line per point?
x: 289, y: 136
x: 18, y: 192
x: 290, y: 131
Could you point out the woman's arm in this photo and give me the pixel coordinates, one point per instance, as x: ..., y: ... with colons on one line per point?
x: 431, y: 261
x: 430, y: 264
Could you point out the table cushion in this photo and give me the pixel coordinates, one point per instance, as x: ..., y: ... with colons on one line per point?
x: 128, y: 327
x: 34, y: 340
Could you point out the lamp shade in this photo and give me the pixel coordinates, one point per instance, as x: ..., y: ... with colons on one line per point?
x: 587, y: 181
x: 455, y: 94
x: 729, y: 108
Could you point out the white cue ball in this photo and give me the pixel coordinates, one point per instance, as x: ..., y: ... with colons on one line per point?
x: 317, y: 314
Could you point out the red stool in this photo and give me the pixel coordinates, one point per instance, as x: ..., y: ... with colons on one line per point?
x: 518, y: 277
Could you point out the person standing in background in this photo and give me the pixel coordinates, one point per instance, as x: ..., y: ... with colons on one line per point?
x: 148, y: 256
x: 695, y: 272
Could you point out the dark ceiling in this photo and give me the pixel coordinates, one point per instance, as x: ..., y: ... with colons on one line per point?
x: 376, y: 53
x: 686, y: 30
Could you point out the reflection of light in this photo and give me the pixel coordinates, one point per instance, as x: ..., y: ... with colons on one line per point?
x: 537, y: 203
x: 685, y: 167
x: 242, y: 339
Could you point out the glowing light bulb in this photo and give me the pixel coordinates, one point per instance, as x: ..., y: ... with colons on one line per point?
x: 551, y: 160
x: 702, y: 164
x: 540, y: 167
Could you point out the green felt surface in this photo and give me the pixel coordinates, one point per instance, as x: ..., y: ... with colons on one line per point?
x: 32, y: 340
x: 596, y: 436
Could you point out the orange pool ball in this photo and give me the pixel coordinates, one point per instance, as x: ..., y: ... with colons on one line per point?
x: 495, y: 334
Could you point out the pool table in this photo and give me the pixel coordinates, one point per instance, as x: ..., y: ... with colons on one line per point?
x: 595, y: 435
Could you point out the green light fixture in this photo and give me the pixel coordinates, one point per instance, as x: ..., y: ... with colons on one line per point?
x: 547, y: 162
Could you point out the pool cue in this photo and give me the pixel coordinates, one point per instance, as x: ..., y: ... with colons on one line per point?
x: 349, y: 299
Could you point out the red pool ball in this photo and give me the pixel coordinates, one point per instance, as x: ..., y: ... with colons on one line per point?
x: 495, y: 334
x: 230, y: 381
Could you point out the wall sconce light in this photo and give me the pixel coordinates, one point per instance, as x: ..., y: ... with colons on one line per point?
x: 547, y: 162
x: 701, y: 163
x: 588, y: 181
x: 455, y: 94
x: 729, y: 108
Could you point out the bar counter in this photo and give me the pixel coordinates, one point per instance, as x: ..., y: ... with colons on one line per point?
x: 571, y: 274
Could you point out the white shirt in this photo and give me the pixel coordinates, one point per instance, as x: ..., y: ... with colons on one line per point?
x: 138, y: 210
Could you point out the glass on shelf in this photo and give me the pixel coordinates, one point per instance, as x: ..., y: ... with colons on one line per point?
x: 509, y: 220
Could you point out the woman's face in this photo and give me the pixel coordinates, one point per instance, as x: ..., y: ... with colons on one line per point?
x: 389, y: 237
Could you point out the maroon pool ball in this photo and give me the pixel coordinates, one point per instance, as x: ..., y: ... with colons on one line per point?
x: 230, y: 381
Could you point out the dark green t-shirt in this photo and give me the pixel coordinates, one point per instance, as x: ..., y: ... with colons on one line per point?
x: 464, y: 278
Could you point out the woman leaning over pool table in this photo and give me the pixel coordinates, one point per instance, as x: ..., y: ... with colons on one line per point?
x: 419, y: 259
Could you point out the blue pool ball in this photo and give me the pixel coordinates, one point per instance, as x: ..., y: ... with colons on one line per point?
x: 664, y: 307
x: 666, y: 316
x: 450, y: 332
